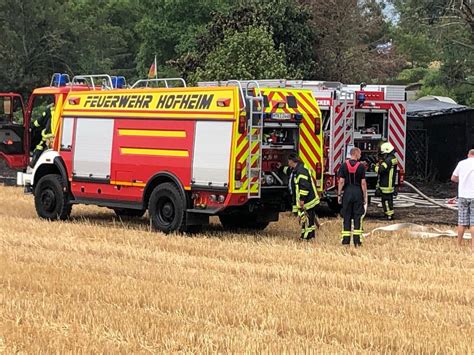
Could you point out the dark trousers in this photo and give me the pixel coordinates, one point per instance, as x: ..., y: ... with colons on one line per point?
x: 308, y: 225
x: 387, y: 204
x: 352, y: 210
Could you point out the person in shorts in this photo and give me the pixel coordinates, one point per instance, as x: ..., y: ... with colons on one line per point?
x: 464, y: 176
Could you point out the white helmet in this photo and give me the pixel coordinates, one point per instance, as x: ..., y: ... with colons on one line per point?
x: 387, y: 148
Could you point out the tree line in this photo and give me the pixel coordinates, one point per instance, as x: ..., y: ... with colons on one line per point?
x: 429, y: 42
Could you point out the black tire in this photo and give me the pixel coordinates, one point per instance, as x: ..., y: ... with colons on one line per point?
x: 334, y: 206
x: 51, y: 201
x: 167, y: 209
x: 242, y: 221
x: 129, y: 212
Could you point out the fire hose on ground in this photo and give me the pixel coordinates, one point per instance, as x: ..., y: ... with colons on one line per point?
x: 417, y: 230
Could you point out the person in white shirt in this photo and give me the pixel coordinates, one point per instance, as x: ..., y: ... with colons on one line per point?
x: 464, y: 176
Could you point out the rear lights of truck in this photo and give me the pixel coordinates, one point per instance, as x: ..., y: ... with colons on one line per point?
x: 238, y: 171
x: 242, y: 122
x: 317, y: 126
x: 318, y: 170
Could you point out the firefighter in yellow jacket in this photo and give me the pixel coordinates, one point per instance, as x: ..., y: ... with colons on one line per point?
x: 386, y: 171
x: 304, y: 195
x: 43, y: 125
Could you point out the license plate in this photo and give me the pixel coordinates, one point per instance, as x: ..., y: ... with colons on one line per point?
x: 281, y: 116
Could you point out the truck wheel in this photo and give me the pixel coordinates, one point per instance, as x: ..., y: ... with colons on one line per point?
x: 167, y: 209
x: 129, y: 212
x: 334, y: 206
x: 242, y: 221
x: 51, y: 202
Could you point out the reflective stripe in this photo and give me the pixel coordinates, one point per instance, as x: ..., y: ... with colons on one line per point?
x: 36, y: 124
x: 39, y: 147
x: 299, y: 193
x: 387, y: 190
x: 301, y: 176
x: 285, y: 169
x: 388, y: 212
x: 46, y: 136
x: 312, y: 204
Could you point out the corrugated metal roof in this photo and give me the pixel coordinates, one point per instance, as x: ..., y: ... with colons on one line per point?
x: 427, y: 108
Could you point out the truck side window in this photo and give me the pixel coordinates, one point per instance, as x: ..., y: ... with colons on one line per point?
x: 38, y: 123
x: 17, y: 114
x: 40, y: 104
x: 5, y: 109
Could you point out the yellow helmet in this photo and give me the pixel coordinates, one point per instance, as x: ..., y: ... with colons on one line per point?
x: 387, y: 148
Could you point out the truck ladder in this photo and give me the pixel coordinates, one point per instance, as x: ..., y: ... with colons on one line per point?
x: 255, y: 139
x: 253, y: 105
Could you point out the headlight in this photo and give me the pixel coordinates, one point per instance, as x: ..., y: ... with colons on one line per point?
x: 269, y: 180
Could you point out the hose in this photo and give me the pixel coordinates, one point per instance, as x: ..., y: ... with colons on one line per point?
x: 428, y: 198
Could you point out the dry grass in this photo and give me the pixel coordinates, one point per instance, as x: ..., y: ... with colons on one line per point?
x: 96, y: 285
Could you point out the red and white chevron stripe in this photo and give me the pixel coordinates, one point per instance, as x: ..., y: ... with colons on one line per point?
x: 397, y: 125
x: 337, y: 139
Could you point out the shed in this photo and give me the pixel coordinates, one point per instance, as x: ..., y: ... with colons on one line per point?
x: 439, y: 134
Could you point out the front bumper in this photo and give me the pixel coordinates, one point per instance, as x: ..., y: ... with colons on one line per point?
x: 26, y: 180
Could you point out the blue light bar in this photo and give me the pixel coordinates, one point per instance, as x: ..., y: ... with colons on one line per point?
x: 59, y: 79
x: 118, y: 82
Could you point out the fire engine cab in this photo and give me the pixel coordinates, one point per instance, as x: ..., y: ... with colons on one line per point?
x: 182, y: 153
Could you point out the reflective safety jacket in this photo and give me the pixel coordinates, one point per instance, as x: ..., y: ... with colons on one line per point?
x: 387, y: 173
x: 44, y: 119
x: 302, y: 187
x: 45, y: 124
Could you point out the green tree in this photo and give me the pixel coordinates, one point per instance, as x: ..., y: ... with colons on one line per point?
x: 347, y: 35
x: 168, y: 28
x: 101, y: 36
x: 32, y: 43
x: 245, y: 55
x: 439, y: 32
x: 288, y: 22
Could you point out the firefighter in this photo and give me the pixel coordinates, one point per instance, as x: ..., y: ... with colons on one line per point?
x: 304, y: 195
x: 352, y: 194
x: 44, y: 134
x: 386, y: 171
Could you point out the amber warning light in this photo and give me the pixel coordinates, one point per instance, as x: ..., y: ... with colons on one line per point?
x: 223, y: 102
x: 74, y: 101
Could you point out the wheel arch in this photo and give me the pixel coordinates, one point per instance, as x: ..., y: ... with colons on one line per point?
x: 57, y: 166
x: 160, y: 178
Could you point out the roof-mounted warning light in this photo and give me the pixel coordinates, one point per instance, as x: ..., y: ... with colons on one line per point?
x: 119, y: 82
x: 59, y: 80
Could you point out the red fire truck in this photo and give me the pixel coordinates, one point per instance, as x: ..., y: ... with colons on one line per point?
x: 363, y: 117
x: 352, y: 116
x: 182, y: 153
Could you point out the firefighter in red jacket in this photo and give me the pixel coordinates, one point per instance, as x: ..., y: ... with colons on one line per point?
x: 352, y: 194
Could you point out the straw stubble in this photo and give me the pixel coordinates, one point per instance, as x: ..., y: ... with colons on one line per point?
x: 97, y: 284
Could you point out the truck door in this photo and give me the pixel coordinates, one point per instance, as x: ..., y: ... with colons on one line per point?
x: 13, y: 131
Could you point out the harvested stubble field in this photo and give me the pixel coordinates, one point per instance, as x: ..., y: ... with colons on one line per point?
x: 98, y: 285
